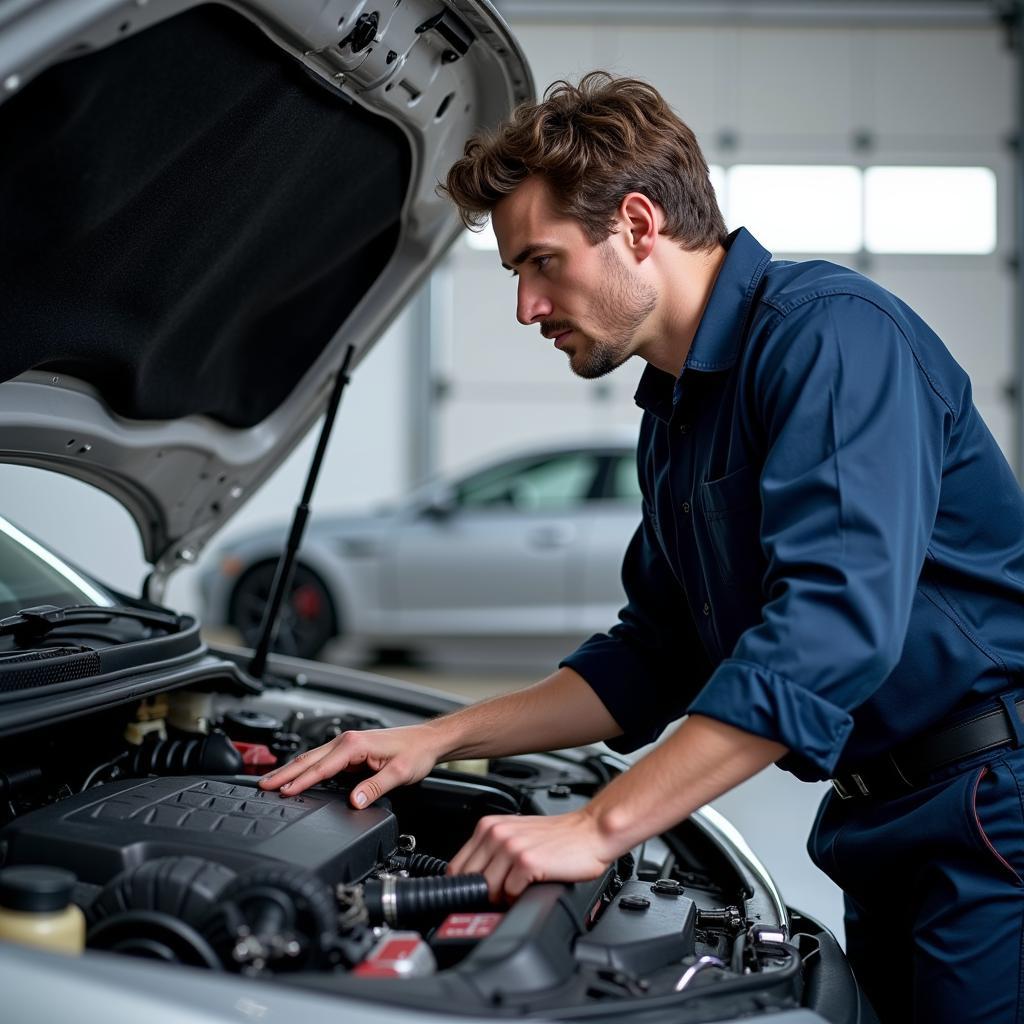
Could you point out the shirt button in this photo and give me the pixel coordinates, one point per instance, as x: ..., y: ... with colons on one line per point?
x: 686, y: 506
x: 684, y: 428
x: 707, y: 608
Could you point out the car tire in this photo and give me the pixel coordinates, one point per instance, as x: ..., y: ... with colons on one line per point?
x: 308, y: 618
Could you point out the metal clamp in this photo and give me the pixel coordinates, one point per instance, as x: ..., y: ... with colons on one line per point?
x: 389, y: 899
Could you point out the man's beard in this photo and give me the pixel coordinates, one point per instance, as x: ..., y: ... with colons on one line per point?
x: 624, y: 302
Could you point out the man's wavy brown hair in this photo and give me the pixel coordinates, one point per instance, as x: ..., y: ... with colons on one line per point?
x: 593, y: 143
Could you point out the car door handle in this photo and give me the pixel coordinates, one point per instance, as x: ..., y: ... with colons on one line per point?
x: 552, y: 536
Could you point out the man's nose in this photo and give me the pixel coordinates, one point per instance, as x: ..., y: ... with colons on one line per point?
x: 531, y: 304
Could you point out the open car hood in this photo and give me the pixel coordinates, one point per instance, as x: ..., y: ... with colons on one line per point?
x: 203, y: 206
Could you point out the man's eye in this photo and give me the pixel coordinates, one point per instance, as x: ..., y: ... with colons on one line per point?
x: 541, y: 261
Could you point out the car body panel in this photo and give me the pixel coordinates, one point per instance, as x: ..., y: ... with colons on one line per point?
x: 473, y: 567
x: 597, y: 593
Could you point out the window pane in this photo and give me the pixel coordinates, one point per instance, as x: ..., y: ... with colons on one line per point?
x: 554, y: 483
x: 560, y: 483
x: 797, y: 208
x: 930, y: 209
x: 625, y: 485
x: 492, y: 486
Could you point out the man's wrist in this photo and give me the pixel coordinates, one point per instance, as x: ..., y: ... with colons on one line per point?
x: 613, y: 826
x: 445, y: 737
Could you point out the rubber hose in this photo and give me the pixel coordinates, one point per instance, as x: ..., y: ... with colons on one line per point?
x: 213, y: 754
x: 183, y: 887
x: 419, y: 865
x: 403, y: 901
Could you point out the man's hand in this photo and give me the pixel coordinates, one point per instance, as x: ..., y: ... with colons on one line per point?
x: 560, y: 711
x: 513, y: 851
x: 399, y: 757
x: 701, y: 760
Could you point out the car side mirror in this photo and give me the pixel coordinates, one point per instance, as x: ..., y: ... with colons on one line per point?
x: 441, y: 505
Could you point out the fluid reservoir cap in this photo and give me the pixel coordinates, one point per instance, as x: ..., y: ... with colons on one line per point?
x: 36, y: 889
x: 634, y: 903
x: 253, y: 726
x: 667, y: 887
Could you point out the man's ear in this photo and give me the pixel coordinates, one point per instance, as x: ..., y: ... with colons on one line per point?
x: 641, y: 221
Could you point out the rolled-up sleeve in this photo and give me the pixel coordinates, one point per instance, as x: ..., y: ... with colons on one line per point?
x: 648, y: 666
x: 855, y: 433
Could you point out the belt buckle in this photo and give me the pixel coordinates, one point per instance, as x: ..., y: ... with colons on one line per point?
x: 859, y: 783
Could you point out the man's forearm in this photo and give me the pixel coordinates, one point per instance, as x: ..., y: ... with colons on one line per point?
x: 560, y: 711
x: 700, y: 761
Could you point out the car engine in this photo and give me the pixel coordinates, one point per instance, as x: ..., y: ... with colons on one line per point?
x: 181, y: 858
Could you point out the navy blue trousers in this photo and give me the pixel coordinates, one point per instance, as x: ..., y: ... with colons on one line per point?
x: 934, y: 892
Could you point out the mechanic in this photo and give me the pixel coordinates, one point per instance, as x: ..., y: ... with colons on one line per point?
x: 829, y: 571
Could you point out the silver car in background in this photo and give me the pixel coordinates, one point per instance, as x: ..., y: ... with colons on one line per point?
x: 526, y: 548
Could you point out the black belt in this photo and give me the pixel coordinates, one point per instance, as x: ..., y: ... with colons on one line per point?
x: 908, y: 766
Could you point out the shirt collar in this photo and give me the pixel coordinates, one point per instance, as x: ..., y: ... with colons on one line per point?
x: 716, y: 345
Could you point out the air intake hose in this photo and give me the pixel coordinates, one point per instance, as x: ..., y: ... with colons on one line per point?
x: 419, y: 865
x: 211, y: 755
x: 401, y: 902
x: 184, y: 887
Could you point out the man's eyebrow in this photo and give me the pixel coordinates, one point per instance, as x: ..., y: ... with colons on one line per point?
x: 523, y: 256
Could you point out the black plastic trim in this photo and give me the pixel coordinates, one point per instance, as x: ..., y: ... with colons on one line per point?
x: 95, y: 695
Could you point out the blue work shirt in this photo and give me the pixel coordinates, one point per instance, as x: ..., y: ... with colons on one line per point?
x: 831, y: 552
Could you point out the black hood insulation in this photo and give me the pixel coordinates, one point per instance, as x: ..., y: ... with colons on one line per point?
x: 187, y: 217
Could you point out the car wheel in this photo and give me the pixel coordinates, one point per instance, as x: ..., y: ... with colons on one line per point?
x: 308, y: 617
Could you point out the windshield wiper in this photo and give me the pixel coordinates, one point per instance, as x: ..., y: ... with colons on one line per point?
x: 34, y: 623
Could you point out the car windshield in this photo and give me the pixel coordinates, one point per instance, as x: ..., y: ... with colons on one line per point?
x: 30, y: 575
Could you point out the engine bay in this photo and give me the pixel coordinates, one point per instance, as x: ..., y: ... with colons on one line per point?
x: 181, y: 858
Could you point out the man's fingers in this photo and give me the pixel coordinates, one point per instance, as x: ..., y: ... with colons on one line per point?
x: 391, y: 775
x: 314, y: 766
x: 279, y: 776
x: 500, y: 850
x: 519, y: 875
x: 457, y: 865
x: 483, y: 855
x: 477, y: 851
x: 496, y: 873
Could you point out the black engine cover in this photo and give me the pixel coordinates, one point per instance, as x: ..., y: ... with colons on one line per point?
x: 109, y: 828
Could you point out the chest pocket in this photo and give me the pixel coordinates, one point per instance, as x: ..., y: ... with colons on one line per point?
x: 732, y: 509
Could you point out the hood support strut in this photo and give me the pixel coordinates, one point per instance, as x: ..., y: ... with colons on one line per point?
x: 286, y: 563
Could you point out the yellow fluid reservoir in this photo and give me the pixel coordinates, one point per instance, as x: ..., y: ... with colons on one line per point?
x: 472, y: 765
x: 36, y: 909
